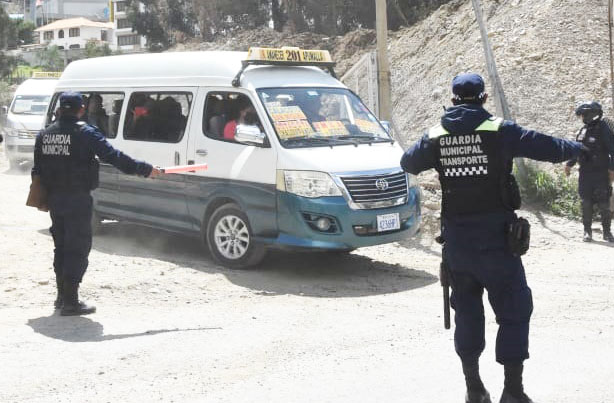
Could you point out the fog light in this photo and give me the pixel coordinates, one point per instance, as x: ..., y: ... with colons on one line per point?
x: 323, y: 224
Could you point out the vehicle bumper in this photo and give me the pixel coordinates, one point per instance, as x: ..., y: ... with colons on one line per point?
x: 355, y: 228
x: 18, y: 149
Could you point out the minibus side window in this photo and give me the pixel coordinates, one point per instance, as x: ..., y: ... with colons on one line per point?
x: 103, y: 109
x: 224, y: 111
x: 157, y: 116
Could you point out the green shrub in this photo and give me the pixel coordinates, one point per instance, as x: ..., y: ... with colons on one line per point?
x: 557, y: 193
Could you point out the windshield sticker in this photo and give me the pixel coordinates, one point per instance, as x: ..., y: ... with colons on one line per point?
x: 332, y: 128
x: 286, y: 113
x: 293, y: 128
x: 368, y: 127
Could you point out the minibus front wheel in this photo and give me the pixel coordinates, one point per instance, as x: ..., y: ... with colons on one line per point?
x: 230, y: 238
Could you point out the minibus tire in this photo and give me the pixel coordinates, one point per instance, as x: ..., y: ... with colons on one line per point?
x: 232, y: 215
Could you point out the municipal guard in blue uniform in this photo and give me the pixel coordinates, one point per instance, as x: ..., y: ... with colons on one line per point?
x: 65, y: 160
x: 472, y: 152
x: 594, y: 182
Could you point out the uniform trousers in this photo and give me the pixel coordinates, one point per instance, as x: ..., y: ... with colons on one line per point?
x: 476, y: 253
x: 594, y: 189
x: 71, y: 228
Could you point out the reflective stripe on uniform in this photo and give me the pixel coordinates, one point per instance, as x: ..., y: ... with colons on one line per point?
x: 490, y: 125
x: 437, y: 131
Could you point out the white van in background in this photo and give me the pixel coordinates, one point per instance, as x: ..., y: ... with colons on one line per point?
x: 25, y: 117
x: 296, y: 160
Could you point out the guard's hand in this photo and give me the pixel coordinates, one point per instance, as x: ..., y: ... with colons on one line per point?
x: 611, y: 173
x: 155, y: 172
x: 567, y: 170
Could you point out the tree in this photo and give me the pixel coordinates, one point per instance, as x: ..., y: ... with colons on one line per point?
x: 7, y: 63
x: 162, y: 22
x: 94, y: 49
x: 51, y: 59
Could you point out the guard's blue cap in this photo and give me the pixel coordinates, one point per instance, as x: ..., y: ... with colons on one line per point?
x: 71, y: 100
x: 468, y: 86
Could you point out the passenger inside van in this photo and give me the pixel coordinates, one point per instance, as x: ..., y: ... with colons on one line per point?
x: 170, y: 121
x: 243, y: 113
x: 217, y: 119
x: 96, y: 114
x: 114, y: 117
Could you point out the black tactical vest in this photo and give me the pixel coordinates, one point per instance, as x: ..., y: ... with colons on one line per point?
x: 472, y: 171
x: 66, y: 161
x: 595, y: 138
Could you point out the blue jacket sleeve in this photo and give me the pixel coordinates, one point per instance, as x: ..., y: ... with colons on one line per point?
x: 520, y: 142
x: 419, y: 157
x: 105, y: 151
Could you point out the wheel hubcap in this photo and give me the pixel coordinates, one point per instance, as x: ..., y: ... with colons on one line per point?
x: 231, y: 237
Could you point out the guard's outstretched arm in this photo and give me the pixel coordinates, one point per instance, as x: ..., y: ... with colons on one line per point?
x: 419, y: 157
x: 520, y: 142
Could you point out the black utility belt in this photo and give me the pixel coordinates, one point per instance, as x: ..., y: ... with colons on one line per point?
x: 518, y: 236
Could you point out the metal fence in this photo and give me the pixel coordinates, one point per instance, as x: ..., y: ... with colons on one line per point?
x: 362, y: 79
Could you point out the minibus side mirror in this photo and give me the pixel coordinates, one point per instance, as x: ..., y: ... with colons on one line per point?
x: 251, y: 135
x: 387, y: 126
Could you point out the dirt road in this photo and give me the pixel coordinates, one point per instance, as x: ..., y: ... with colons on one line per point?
x: 173, y: 326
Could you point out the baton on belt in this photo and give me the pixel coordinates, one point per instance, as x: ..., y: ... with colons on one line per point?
x: 184, y: 168
x: 444, y: 278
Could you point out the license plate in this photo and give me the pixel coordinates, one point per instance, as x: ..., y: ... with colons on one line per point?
x: 388, y: 222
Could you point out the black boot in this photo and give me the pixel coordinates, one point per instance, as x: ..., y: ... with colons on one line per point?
x: 588, y: 236
x: 72, y: 306
x: 59, y: 300
x: 513, y: 391
x: 607, y: 236
x: 476, y: 392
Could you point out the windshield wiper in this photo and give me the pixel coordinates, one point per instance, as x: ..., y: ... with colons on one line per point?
x: 366, y: 138
x: 328, y: 140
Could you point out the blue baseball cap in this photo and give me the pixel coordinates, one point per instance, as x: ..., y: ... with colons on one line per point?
x: 468, y: 87
x: 71, y: 100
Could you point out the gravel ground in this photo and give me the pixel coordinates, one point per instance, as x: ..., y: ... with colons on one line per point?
x: 174, y: 326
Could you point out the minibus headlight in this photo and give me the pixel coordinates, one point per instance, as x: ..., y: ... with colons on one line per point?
x: 10, y: 132
x: 308, y: 184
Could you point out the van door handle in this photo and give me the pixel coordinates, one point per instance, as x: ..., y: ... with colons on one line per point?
x: 202, y: 152
x: 177, y: 158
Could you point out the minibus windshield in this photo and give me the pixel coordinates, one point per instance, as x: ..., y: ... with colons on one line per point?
x: 315, y: 117
x: 30, y: 104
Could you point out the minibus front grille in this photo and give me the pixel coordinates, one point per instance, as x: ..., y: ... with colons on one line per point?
x: 377, y: 191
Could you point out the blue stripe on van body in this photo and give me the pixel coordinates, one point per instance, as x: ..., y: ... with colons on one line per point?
x: 295, y: 232
x: 199, y: 193
x: 257, y: 200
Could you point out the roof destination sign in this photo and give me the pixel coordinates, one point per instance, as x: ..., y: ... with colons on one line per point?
x: 289, y: 55
x: 285, y: 56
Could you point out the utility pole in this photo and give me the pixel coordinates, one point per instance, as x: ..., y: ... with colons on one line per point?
x: 502, y: 106
x: 383, y: 67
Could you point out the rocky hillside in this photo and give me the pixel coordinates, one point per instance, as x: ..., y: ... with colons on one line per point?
x: 550, y: 54
x: 346, y: 50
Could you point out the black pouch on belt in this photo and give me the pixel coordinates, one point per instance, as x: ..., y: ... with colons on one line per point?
x: 518, y: 233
